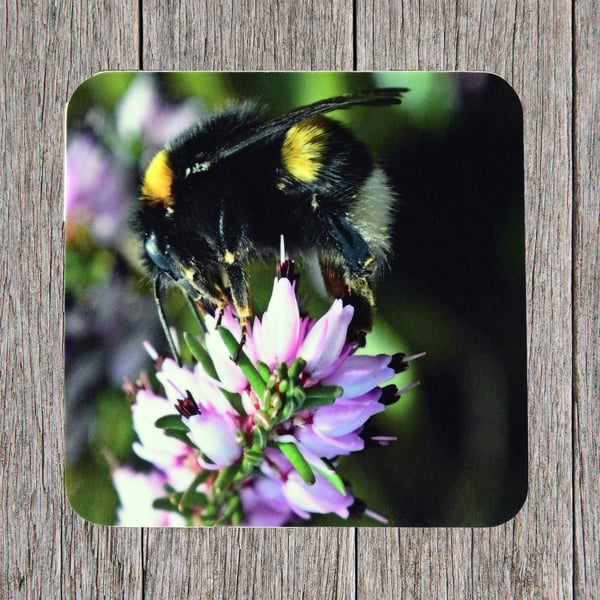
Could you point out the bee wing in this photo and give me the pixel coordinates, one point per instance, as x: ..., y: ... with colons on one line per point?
x: 377, y: 97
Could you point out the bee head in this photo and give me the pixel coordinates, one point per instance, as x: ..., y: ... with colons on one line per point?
x: 162, y: 260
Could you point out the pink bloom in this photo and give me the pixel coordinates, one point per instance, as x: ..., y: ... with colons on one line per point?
x: 264, y: 503
x: 278, y: 333
x: 173, y: 457
x: 215, y: 435
x: 97, y: 189
x: 346, y: 415
x: 303, y: 498
x: 358, y: 374
x: 231, y: 376
x: 244, y: 416
x: 320, y: 497
x: 325, y: 342
x: 137, y: 491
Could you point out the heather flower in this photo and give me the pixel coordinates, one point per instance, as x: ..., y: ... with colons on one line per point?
x: 97, y: 190
x: 256, y: 441
x: 143, y: 115
x: 137, y: 491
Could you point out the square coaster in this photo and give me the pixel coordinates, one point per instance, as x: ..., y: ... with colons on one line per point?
x: 295, y: 299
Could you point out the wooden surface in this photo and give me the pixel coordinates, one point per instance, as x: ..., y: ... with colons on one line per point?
x: 548, y: 52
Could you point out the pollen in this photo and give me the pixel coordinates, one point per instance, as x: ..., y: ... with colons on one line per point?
x: 158, y: 181
x: 304, y: 149
x: 229, y: 257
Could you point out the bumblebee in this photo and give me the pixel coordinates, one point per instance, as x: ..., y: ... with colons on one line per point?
x: 221, y: 194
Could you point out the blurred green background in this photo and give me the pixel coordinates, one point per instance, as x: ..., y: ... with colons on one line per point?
x: 456, y: 287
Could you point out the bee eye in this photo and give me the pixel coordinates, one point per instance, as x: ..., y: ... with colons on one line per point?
x: 157, y: 255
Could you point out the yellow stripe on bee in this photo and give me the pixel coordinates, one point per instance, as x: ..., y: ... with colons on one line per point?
x: 304, y: 149
x: 158, y: 181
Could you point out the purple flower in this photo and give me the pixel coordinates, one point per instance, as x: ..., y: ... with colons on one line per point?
x: 264, y: 503
x: 319, y: 497
x: 142, y: 114
x: 137, y: 491
x: 176, y: 459
x: 253, y: 440
x: 215, y: 436
x: 97, y: 190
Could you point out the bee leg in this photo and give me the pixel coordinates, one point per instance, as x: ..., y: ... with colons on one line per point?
x: 360, y: 296
x: 238, y: 352
x: 241, y: 300
x: 353, y: 290
x: 164, y: 323
x: 220, y: 313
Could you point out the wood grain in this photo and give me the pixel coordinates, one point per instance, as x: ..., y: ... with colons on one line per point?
x: 586, y: 303
x: 552, y: 548
x: 47, y: 551
x: 531, y: 556
x: 248, y: 35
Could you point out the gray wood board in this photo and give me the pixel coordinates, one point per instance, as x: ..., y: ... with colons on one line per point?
x: 548, y: 52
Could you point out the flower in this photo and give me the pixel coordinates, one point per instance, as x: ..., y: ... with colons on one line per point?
x: 96, y: 192
x: 254, y: 441
x: 136, y: 492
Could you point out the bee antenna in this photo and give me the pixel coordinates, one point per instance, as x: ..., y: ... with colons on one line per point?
x: 164, y: 323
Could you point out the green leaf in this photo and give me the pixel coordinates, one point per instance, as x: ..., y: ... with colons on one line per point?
x: 254, y: 457
x: 172, y: 422
x: 323, y: 391
x: 193, y: 500
x: 245, y: 364
x: 259, y: 438
x: 191, y: 497
x: 289, y: 408
x: 298, y: 461
x: 234, y: 507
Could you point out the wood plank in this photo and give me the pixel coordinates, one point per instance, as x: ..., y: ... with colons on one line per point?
x: 48, y: 552
x: 586, y: 303
x: 249, y: 563
x: 528, y: 44
x: 247, y: 35
x: 260, y: 563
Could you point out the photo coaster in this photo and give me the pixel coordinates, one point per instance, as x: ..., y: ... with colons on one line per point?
x: 295, y: 299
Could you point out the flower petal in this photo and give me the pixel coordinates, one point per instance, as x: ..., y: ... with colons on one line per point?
x: 264, y: 503
x: 321, y: 497
x: 215, y: 435
x: 137, y: 491
x: 280, y: 324
x: 347, y: 414
x: 325, y: 340
x: 359, y: 374
x: 325, y: 446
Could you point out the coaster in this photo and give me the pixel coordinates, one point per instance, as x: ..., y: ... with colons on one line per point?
x: 295, y: 299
